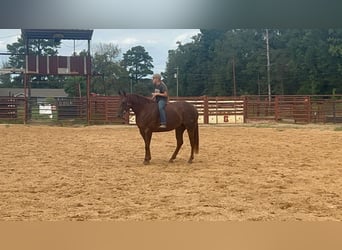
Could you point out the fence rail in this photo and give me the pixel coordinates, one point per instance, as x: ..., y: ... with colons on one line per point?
x: 104, y: 109
x: 212, y: 110
x: 295, y: 109
x: 12, y: 109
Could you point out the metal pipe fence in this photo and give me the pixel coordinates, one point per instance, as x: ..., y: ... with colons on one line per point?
x: 212, y: 110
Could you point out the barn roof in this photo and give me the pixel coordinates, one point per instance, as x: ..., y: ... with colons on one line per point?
x: 65, y: 34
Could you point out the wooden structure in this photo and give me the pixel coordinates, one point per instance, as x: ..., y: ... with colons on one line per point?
x: 57, y: 65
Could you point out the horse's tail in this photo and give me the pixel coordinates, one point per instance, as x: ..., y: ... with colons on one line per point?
x: 196, y: 135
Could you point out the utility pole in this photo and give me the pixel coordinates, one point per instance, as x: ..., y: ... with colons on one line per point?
x: 259, y: 85
x: 131, y: 87
x: 234, y: 81
x: 268, y: 67
x: 176, y: 76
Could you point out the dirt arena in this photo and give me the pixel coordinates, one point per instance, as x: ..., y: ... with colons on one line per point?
x: 242, y: 173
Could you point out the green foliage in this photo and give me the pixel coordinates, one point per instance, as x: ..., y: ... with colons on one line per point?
x: 138, y: 63
x: 5, y: 79
x: 17, y: 60
x: 36, y: 47
x: 75, y: 86
x: 109, y: 75
x: 303, y: 61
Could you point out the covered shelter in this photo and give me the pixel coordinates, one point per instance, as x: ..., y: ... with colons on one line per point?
x: 57, y: 34
x: 57, y: 65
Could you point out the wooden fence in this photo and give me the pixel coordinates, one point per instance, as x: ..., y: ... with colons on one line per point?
x: 212, y: 110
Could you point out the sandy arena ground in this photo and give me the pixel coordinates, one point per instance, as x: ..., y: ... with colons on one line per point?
x: 242, y: 173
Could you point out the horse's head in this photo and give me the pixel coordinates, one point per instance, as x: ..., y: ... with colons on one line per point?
x: 124, y: 104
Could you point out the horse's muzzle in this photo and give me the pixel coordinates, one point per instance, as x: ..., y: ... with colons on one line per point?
x: 121, y: 114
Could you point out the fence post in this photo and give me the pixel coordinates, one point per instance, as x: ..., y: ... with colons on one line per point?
x: 88, y: 100
x: 205, y: 109
x: 106, y: 99
x: 245, y: 109
x: 276, y: 108
x: 308, y: 108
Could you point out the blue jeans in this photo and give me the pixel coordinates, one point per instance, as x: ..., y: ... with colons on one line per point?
x: 161, y: 106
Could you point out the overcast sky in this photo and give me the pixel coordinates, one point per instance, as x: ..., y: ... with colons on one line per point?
x: 156, y: 42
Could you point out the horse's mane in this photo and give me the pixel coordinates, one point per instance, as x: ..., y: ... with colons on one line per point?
x: 140, y: 99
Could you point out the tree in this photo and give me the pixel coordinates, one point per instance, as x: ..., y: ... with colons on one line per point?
x: 5, y: 79
x: 75, y: 86
x: 235, y: 62
x: 138, y: 63
x: 36, y: 47
x: 335, y: 50
x: 191, y: 59
x: 312, y: 68
x: 108, y: 75
x: 303, y: 61
x: 106, y: 65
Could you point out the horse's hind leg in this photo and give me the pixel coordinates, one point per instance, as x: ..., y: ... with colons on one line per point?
x: 191, y: 133
x: 179, y: 137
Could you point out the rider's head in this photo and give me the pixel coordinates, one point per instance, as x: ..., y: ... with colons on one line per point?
x: 156, y: 78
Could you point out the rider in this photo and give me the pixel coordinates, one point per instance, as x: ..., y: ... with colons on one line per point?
x: 161, y: 96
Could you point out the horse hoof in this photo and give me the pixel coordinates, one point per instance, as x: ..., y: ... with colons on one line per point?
x: 146, y: 162
x: 171, y: 161
x: 189, y: 161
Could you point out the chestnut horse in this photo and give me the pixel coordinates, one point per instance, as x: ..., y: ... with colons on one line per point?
x: 180, y: 116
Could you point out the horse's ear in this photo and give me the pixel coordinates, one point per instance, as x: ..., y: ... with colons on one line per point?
x: 122, y: 93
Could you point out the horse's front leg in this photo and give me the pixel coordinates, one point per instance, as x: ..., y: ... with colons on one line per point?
x: 179, y: 137
x: 147, y: 135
